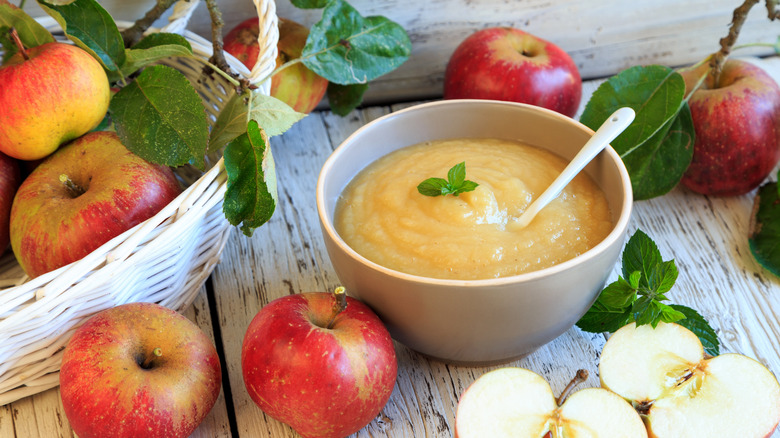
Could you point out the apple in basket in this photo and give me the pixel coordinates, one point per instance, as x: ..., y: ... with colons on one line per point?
x: 84, y: 194
x: 138, y: 370
x: 503, y: 63
x: 10, y: 177
x: 518, y: 403
x: 49, y: 94
x: 297, y: 86
x: 681, y: 392
x: 323, y: 363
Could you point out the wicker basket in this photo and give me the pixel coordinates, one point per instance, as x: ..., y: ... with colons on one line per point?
x: 165, y: 259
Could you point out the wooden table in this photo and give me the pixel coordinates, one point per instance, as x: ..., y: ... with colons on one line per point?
x: 705, y: 236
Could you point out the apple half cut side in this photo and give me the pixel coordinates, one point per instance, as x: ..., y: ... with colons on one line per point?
x: 518, y: 403
x: 681, y: 392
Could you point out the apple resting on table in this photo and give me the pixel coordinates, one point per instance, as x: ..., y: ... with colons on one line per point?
x: 323, y: 369
x: 682, y: 393
x: 737, y: 123
x: 138, y: 370
x: 49, y: 94
x: 518, y: 403
x: 10, y: 177
x: 297, y: 86
x: 84, y: 194
x: 503, y: 63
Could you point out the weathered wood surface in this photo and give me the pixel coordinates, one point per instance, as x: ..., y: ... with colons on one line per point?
x: 603, y: 37
x: 706, y: 237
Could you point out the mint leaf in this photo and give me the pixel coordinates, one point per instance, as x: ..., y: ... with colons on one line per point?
x: 764, y: 233
x: 90, y: 27
x: 344, y: 98
x: 600, y: 318
x: 618, y: 295
x: 31, y: 33
x: 251, y: 195
x: 346, y: 48
x: 658, y: 146
x: 698, y: 325
x: 160, y: 117
x: 640, y: 254
x: 455, y: 183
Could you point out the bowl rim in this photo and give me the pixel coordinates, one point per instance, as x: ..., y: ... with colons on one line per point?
x: 616, y: 234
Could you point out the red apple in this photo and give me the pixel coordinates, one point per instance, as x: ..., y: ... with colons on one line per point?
x: 324, y: 375
x: 297, y: 86
x: 737, y: 123
x: 84, y: 194
x: 10, y: 177
x: 49, y: 94
x: 502, y: 63
x: 136, y: 370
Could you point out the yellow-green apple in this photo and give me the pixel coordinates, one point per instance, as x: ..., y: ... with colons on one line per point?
x: 138, y: 370
x: 324, y: 371
x: 737, y: 124
x: 296, y: 85
x: 503, y: 63
x: 681, y: 392
x: 49, y: 94
x: 10, y: 177
x: 518, y: 403
x: 86, y: 193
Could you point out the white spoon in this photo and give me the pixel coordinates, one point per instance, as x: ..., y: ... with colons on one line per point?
x: 611, y: 128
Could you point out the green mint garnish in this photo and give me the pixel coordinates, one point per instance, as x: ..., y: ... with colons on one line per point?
x: 455, y: 184
x: 637, y: 296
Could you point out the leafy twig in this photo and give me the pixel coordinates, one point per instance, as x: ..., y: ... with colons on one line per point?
x: 134, y: 33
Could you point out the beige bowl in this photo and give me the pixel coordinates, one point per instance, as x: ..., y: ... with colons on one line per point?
x: 475, y: 321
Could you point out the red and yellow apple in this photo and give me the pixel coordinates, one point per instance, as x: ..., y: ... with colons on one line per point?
x: 325, y: 372
x: 518, y: 403
x: 737, y: 124
x: 10, y: 178
x: 136, y: 370
x: 84, y: 194
x: 296, y: 85
x: 680, y: 392
x: 503, y: 63
x: 49, y: 94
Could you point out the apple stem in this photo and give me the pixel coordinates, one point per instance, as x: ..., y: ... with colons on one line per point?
x: 340, y: 295
x: 581, y: 376
x: 19, y: 44
x: 75, y: 189
x: 157, y: 352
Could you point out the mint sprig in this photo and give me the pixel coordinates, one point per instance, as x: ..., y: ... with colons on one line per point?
x: 455, y: 184
x: 638, y: 295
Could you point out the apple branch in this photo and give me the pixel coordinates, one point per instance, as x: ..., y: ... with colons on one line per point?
x: 134, y: 33
x: 218, y: 52
x: 340, y: 294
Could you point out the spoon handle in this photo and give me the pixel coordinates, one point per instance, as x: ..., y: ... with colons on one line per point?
x: 611, y: 128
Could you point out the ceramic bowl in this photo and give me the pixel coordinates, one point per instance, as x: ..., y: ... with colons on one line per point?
x: 475, y: 321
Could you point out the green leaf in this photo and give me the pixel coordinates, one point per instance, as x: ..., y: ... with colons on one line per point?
x: 433, y: 187
x: 658, y: 145
x: 455, y: 183
x: 251, y: 195
x: 157, y: 39
x: 160, y: 117
x: 618, y: 295
x: 668, y: 313
x: 346, y: 48
x: 662, y: 278
x: 457, y: 174
x: 273, y: 115
x: 698, y: 325
x: 345, y: 98
x: 31, y: 33
x: 640, y: 254
x: 764, y: 233
x: 90, y: 27
x: 309, y: 4
x: 140, y: 56
x: 600, y: 318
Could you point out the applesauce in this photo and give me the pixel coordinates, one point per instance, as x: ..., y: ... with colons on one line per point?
x: 383, y: 217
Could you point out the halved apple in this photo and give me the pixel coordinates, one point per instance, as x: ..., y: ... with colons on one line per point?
x: 518, y: 403
x: 680, y: 392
